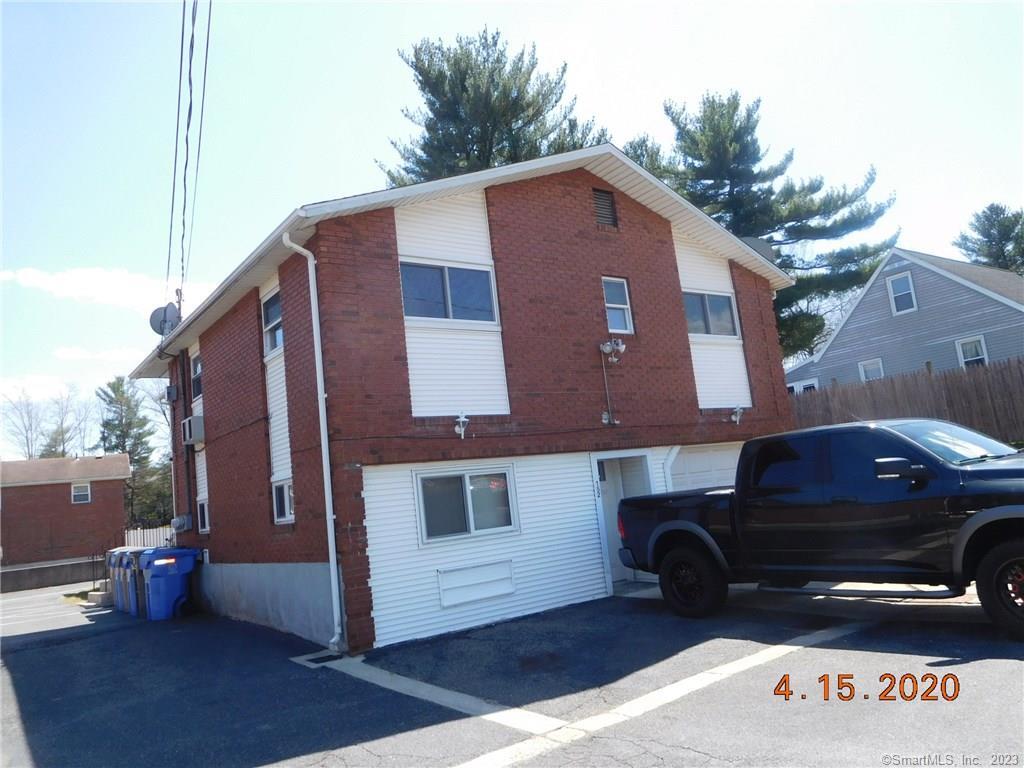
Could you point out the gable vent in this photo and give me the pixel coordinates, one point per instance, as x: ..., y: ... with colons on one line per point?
x: 604, y: 208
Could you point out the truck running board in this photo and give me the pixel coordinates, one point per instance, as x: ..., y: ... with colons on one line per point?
x: 909, y: 594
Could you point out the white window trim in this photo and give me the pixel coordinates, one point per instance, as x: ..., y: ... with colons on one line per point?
x: 798, y: 386
x: 892, y: 297
x: 288, y: 498
x: 271, y: 354
x: 465, y: 472
x: 735, y: 314
x: 192, y: 374
x: 628, y: 307
x: 960, y: 349
x: 88, y: 493
x: 452, y: 322
x: 881, y: 368
x: 199, y: 518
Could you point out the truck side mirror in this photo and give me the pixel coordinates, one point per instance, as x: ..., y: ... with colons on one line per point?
x: 898, y: 468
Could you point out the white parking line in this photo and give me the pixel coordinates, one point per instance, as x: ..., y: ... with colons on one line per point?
x: 510, y: 717
x: 540, y: 744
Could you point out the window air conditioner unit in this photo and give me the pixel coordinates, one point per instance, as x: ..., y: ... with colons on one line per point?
x: 181, y: 523
x: 192, y: 430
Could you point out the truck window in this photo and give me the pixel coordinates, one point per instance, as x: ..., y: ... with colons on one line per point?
x: 852, y: 463
x: 790, y: 463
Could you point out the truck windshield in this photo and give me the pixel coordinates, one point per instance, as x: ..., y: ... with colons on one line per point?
x: 951, y: 442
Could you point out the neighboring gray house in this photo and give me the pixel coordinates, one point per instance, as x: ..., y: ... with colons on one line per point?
x: 920, y: 312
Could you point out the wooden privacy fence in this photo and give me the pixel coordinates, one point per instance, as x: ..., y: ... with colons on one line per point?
x: 988, y: 398
x: 149, y: 537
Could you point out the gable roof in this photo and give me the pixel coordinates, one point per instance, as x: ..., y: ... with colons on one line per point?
x: 604, y: 160
x: 1002, y: 285
x: 113, y: 466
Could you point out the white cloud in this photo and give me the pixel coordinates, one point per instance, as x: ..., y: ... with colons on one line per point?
x: 126, y: 355
x: 110, y: 287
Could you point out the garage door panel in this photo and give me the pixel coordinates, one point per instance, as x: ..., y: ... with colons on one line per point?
x: 705, y: 466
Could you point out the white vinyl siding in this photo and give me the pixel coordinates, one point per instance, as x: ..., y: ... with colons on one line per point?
x: 277, y: 410
x: 202, y: 521
x: 699, y: 268
x: 450, y: 229
x: 455, y: 366
x: 720, y: 370
x: 554, y: 558
x: 705, y: 466
x: 719, y: 365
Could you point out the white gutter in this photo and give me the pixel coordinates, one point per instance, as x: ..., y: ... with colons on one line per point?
x: 325, y: 450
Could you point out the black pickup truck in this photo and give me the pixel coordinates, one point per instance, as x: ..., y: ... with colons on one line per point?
x: 904, y: 501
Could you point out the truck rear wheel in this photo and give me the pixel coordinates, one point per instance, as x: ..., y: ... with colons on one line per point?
x: 692, y: 583
x: 1000, y: 580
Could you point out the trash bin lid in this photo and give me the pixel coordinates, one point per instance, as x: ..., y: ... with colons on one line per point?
x: 185, y: 557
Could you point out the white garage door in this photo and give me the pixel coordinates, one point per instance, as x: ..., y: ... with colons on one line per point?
x: 705, y: 466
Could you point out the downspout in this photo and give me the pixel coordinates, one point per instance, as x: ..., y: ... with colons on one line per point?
x: 670, y: 459
x: 325, y: 451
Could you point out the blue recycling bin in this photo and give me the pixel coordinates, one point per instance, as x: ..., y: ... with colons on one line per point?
x: 166, y: 572
x: 132, y: 582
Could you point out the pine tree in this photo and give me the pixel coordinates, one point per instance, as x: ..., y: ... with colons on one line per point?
x: 125, y: 428
x: 998, y: 239
x: 484, y: 107
x: 717, y: 163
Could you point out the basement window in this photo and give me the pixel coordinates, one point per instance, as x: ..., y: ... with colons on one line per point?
x: 81, y: 493
x: 604, y: 208
x: 466, y: 504
x: 284, y: 503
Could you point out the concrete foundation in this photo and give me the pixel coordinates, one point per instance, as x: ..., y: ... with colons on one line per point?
x: 292, y: 597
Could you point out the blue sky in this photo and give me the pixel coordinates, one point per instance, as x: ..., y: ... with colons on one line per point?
x: 303, y: 98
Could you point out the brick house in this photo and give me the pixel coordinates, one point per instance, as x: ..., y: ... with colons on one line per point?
x: 61, y: 509
x: 478, y: 435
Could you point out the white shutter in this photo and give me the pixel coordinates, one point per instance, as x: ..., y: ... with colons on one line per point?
x: 277, y: 410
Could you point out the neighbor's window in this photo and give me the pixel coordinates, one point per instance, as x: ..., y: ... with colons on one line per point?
x: 81, y: 493
x: 465, y: 504
x: 807, y: 385
x: 454, y: 293
x: 901, y: 293
x: 710, y: 313
x: 273, y: 332
x: 616, y: 305
x: 197, y: 377
x: 203, y: 513
x: 972, y: 351
x: 871, y: 369
x: 284, y: 503
x: 604, y: 208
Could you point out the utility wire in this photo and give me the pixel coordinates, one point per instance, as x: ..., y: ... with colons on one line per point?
x: 177, y: 129
x: 188, y: 126
x: 199, y: 143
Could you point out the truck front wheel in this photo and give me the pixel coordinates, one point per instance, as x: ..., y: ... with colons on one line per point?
x: 692, y: 583
x: 1000, y: 580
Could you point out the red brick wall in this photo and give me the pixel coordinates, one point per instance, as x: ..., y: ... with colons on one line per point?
x: 40, y: 523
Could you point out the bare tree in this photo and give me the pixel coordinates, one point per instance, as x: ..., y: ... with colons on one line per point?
x: 67, y: 425
x: 23, y: 423
x: 155, y: 401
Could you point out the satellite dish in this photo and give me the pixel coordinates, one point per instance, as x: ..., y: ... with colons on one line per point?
x: 164, y: 319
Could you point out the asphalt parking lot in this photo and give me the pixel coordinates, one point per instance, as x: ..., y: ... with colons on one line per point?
x: 619, y: 681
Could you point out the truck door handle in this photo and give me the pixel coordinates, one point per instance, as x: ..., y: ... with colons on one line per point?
x: 844, y: 499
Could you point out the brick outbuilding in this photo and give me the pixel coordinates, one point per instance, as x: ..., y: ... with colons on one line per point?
x: 415, y: 411
x: 60, y: 509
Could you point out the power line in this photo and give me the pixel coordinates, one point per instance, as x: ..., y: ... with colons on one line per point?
x: 188, y: 126
x: 177, y: 129
x: 199, y: 143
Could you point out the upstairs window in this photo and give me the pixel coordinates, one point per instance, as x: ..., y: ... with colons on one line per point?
x: 81, y: 493
x: 452, y: 293
x: 710, y: 313
x: 604, y: 208
x: 972, y: 352
x: 901, y: 293
x: 871, y: 369
x: 616, y: 305
x: 197, y: 377
x: 273, y: 332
